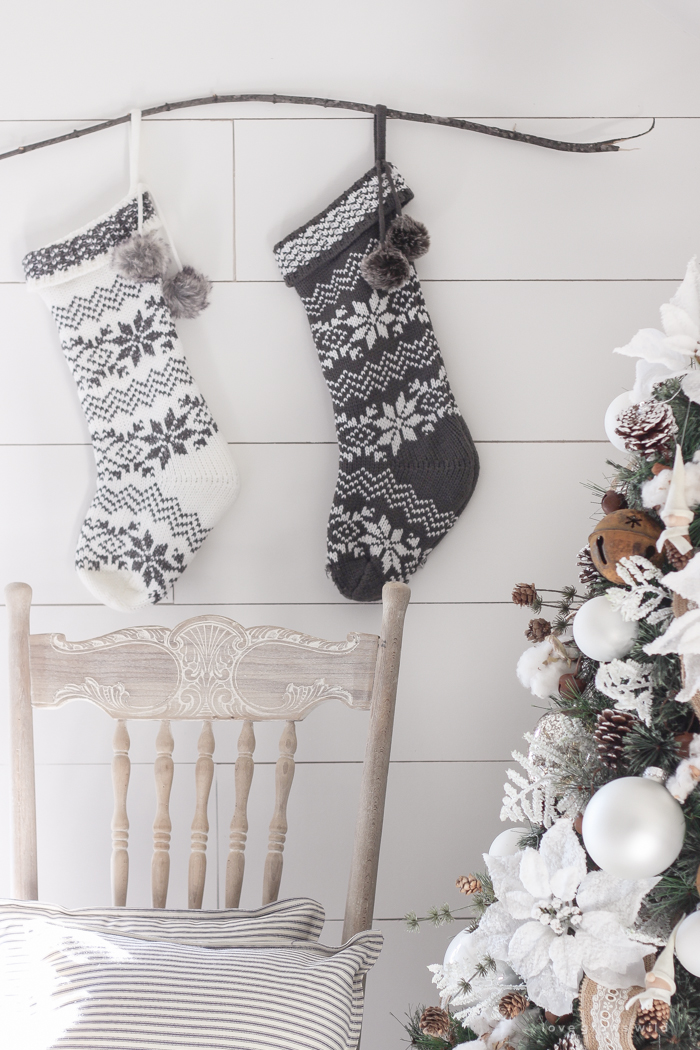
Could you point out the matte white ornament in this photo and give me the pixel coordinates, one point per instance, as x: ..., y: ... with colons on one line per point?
x: 633, y: 828
x: 688, y: 943
x: 506, y: 844
x: 615, y: 408
x: 600, y: 631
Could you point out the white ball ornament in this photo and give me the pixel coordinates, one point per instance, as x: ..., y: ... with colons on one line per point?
x: 506, y: 844
x: 688, y: 943
x: 615, y: 408
x: 461, y: 949
x: 633, y: 828
x: 600, y: 631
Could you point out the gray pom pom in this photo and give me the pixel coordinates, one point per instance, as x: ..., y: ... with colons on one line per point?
x: 409, y: 236
x: 144, y: 257
x: 187, y: 292
x: 385, y: 268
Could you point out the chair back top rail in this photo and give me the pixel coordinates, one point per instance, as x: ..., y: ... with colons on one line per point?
x: 208, y: 667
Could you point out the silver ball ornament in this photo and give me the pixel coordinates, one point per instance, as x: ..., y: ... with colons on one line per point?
x: 600, y: 631
x: 633, y: 828
x: 688, y: 943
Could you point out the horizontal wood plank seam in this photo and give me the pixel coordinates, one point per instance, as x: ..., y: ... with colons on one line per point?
x: 465, y: 280
x: 246, y: 605
x: 264, y: 444
x: 272, y: 762
x: 329, y: 116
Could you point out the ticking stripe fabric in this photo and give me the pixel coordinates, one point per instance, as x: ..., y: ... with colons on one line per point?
x: 63, y: 987
x: 280, y: 923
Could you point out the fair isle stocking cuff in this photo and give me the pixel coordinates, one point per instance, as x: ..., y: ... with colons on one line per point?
x: 318, y: 242
x: 90, y: 247
x: 164, y: 474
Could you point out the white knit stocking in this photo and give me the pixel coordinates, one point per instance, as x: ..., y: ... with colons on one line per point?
x: 164, y: 474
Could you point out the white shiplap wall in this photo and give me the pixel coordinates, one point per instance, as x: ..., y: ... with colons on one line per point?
x: 541, y: 263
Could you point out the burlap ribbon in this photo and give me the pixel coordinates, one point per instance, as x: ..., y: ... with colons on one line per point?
x: 606, y: 1022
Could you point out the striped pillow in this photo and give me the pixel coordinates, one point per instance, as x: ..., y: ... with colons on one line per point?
x: 65, y: 988
x: 279, y: 923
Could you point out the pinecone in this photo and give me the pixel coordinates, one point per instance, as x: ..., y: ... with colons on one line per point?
x: 570, y: 1041
x: 524, y: 594
x: 610, y: 731
x: 648, y: 428
x: 512, y: 1004
x: 674, y: 557
x: 434, y: 1021
x: 654, y: 1019
x: 469, y: 884
x: 587, y: 572
x: 538, y: 630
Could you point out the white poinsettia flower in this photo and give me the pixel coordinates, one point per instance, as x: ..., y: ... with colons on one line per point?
x: 653, y: 346
x: 553, y: 921
x: 672, y: 352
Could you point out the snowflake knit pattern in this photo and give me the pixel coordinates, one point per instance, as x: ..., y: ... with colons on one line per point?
x: 164, y: 473
x: 408, y: 465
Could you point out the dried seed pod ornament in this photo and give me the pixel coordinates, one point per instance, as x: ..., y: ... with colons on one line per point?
x: 676, y: 514
x: 620, y: 535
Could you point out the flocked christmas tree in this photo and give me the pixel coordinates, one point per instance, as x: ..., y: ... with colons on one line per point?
x: 583, y: 926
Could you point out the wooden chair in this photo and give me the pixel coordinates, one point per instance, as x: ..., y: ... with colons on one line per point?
x: 207, y: 668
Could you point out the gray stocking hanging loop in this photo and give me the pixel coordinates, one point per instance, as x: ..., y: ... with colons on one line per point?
x: 389, y: 266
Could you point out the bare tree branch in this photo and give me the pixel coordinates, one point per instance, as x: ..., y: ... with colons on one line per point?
x: 607, y: 146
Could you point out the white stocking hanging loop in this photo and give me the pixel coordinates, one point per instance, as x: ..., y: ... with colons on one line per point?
x: 135, y: 186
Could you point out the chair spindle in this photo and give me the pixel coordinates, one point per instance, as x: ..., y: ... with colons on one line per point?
x: 203, y: 775
x: 245, y: 767
x: 162, y: 825
x: 121, y: 771
x: 284, y: 775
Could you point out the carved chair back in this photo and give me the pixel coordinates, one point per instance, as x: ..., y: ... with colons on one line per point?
x: 207, y: 668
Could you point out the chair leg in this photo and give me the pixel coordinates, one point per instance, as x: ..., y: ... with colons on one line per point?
x: 359, y: 907
x: 24, y: 880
